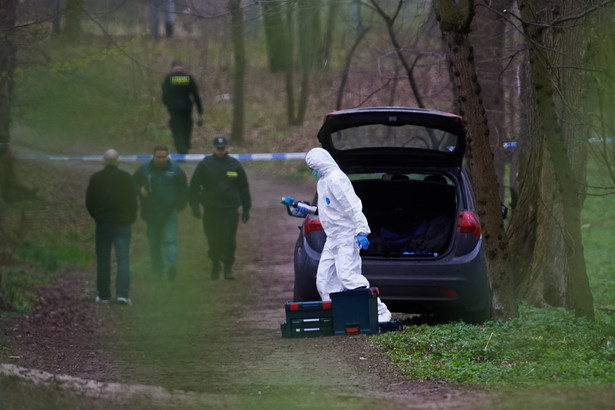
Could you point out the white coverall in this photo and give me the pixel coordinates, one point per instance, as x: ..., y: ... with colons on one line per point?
x: 342, y: 219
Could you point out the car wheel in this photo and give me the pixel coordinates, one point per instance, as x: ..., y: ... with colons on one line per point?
x: 477, y: 317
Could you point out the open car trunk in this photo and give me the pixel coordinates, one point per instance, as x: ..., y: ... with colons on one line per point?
x: 408, y: 218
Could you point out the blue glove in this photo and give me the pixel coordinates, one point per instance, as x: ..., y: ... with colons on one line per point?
x: 287, y: 200
x: 302, y: 210
x: 363, y: 241
x: 298, y: 211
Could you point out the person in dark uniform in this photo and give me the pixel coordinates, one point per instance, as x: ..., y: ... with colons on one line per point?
x: 220, y: 185
x: 163, y: 190
x: 111, y: 200
x: 179, y: 92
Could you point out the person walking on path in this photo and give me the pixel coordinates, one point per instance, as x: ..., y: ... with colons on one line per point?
x: 111, y: 200
x: 341, y: 214
x: 163, y: 191
x: 220, y: 185
x: 179, y: 93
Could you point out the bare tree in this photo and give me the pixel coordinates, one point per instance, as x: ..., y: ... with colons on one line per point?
x: 561, y: 277
x: 287, y: 22
x: 8, y: 15
x: 495, y: 47
x: 408, y: 66
x: 239, y: 53
x: 72, y: 18
x: 8, y: 51
x: 455, y: 18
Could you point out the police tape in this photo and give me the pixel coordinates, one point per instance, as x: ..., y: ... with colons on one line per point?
x: 281, y: 156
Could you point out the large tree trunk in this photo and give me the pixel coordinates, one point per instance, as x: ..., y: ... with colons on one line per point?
x: 492, y: 38
x: 558, y: 275
x: 72, y: 19
x: 237, y: 128
x: 275, y: 35
x: 310, y: 49
x: 455, y: 18
x: 8, y: 16
x: 8, y: 51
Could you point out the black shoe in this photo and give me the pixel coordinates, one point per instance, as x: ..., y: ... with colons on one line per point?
x: 228, y: 275
x: 215, y: 270
x: 171, y: 273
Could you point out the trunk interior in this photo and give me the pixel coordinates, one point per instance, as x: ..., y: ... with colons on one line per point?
x: 409, y: 218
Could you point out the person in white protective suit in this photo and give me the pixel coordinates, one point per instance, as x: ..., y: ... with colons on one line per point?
x: 342, y: 219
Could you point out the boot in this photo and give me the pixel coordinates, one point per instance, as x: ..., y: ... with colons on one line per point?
x: 228, y: 274
x: 215, y: 270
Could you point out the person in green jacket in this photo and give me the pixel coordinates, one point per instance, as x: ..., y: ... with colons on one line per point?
x: 163, y: 191
x: 220, y: 185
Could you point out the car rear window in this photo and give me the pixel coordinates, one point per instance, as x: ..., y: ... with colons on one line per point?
x: 386, y: 136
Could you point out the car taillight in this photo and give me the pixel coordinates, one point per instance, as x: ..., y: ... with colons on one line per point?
x: 468, y: 222
x: 449, y: 293
x: 311, y: 225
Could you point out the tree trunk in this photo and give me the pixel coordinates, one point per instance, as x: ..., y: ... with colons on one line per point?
x: 340, y: 92
x: 289, y: 53
x: 332, y: 18
x: 490, y: 37
x: 72, y: 18
x: 8, y: 16
x: 455, y: 18
x: 275, y: 35
x: 8, y: 51
x: 237, y: 128
x: 569, y: 287
x: 310, y: 49
x: 56, y: 19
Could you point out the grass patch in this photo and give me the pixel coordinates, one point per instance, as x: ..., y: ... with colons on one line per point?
x: 540, y: 348
x: 50, y: 256
x: 543, y: 347
x: 18, y: 283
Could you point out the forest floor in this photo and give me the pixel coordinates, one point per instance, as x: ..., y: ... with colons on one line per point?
x: 195, y: 342
x: 198, y: 343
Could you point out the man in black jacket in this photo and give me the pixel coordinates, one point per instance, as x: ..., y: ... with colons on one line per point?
x: 179, y: 92
x: 220, y: 184
x: 111, y: 200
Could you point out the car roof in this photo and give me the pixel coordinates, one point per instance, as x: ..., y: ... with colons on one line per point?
x: 374, y: 138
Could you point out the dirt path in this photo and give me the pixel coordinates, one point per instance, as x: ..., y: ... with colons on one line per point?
x: 201, y: 343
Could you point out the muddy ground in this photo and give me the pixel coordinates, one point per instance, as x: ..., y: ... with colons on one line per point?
x: 198, y: 343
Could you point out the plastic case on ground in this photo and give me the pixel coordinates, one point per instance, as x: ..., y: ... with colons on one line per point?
x: 308, y: 319
x: 348, y: 313
x: 355, y: 311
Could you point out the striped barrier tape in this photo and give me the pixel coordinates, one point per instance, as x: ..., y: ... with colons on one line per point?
x: 174, y: 157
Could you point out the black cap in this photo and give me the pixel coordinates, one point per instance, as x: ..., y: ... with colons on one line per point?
x: 220, y: 142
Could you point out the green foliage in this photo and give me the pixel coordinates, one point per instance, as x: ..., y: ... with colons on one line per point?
x: 598, y: 222
x: 18, y: 283
x: 541, y: 347
x: 50, y: 256
x: 84, y: 95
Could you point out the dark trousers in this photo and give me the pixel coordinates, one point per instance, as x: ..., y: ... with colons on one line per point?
x: 220, y: 226
x: 181, y: 128
x: 117, y: 236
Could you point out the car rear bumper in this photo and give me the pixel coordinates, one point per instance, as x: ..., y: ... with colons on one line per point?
x: 454, y: 285
x: 423, y: 286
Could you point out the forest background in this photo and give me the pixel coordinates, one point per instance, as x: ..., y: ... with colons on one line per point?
x: 536, y: 75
